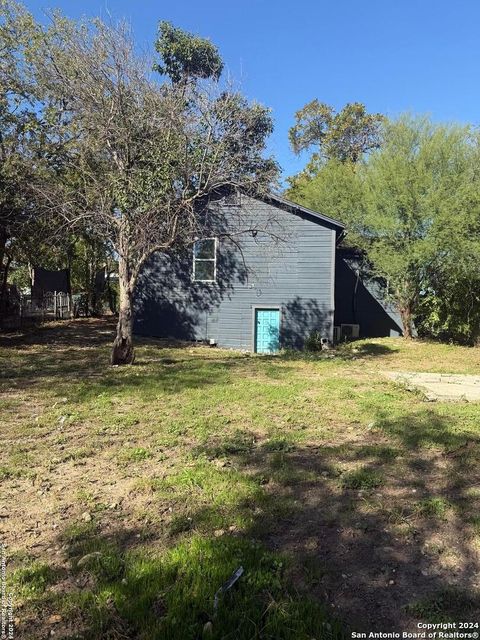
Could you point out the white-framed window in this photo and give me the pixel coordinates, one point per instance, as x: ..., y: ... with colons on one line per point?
x: 205, y: 260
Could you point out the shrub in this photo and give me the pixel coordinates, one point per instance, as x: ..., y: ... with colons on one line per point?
x: 314, y: 342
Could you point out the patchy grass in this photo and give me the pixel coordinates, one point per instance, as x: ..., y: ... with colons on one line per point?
x: 153, y: 593
x: 33, y: 579
x: 134, y: 493
x: 212, y: 497
x: 415, y: 355
x: 134, y: 454
x: 448, y: 605
x: 362, y: 479
x: 433, y: 507
x: 7, y: 473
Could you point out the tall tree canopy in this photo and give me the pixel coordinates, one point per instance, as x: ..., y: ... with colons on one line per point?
x: 141, y: 153
x: 345, y: 135
x: 413, y: 206
x: 418, y: 188
x: 28, y: 144
x: 186, y: 56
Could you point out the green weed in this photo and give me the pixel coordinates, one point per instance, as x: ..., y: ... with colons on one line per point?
x: 361, y: 479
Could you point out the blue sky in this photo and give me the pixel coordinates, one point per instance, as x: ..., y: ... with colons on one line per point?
x: 393, y: 55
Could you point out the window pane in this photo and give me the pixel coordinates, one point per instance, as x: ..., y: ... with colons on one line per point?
x: 204, y: 249
x: 204, y: 270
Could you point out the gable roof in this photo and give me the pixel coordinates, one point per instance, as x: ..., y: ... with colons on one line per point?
x: 292, y: 207
x: 297, y: 209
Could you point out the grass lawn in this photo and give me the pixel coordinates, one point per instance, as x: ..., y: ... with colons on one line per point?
x: 130, y: 495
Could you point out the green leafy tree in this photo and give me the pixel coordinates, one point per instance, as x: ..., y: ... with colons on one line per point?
x: 89, y: 254
x: 16, y: 113
x: 345, y: 136
x: 25, y: 144
x: 418, y: 188
x: 334, y: 189
x: 413, y: 206
x: 186, y: 56
x: 449, y: 306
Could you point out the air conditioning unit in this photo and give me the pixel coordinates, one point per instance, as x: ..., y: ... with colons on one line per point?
x: 349, y: 331
x: 336, y: 334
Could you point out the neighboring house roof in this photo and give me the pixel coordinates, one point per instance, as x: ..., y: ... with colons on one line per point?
x: 48, y: 281
x: 298, y: 209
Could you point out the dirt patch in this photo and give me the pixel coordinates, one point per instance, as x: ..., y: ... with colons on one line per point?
x: 371, y: 553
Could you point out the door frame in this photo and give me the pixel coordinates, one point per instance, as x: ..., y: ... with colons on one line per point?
x: 273, y: 307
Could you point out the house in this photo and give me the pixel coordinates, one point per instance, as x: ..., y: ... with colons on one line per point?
x: 263, y: 277
x: 360, y: 298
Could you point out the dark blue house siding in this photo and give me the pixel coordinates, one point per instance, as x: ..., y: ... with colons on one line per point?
x: 288, y: 264
x: 361, y: 300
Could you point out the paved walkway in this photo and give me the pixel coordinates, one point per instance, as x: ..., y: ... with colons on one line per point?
x: 440, y: 386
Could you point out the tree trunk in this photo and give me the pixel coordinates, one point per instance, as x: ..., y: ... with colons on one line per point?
x: 407, y: 321
x: 122, y: 351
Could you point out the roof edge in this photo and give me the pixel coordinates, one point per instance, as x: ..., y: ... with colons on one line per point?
x: 300, y: 209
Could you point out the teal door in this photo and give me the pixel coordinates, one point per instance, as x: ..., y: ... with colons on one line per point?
x: 267, y: 330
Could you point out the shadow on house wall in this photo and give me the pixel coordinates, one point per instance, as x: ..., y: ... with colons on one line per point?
x: 168, y: 303
x: 302, y: 317
x: 359, y: 300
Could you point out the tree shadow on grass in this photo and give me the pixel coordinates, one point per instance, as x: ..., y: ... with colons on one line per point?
x: 423, y: 428
x: 56, y: 354
x: 52, y: 357
x: 82, y: 332
x: 120, y: 586
x: 345, y: 351
x: 372, y: 349
x: 374, y: 531
x: 378, y: 529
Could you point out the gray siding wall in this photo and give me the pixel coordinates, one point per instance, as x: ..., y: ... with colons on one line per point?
x: 288, y: 263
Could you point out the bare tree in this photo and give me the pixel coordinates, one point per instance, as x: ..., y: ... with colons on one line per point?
x: 143, y: 154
